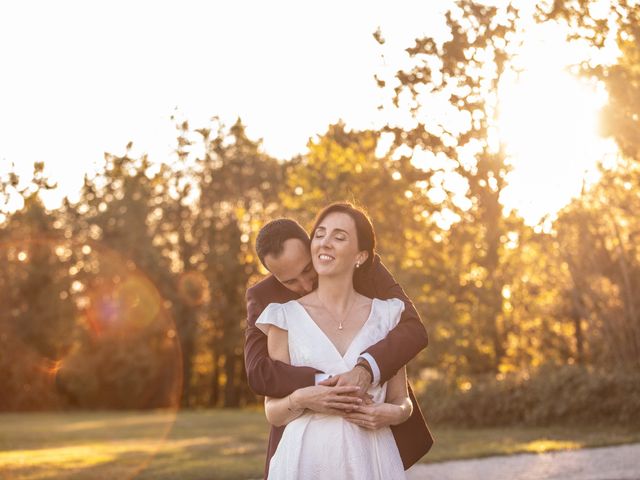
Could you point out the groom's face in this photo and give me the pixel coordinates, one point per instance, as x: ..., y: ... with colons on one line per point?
x: 293, y: 267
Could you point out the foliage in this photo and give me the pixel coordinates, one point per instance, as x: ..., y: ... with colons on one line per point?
x: 551, y: 395
x: 133, y: 296
x: 597, y: 237
x: 465, y: 166
x: 37, y: 319
x: 350, y: 165
x: 603, y: 26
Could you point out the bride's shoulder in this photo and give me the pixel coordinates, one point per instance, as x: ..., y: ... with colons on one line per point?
x: 364, y: 301
x: 393, y: 304
x: 308, y: 302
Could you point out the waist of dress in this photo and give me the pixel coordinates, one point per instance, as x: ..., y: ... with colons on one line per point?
x: 311, y: 416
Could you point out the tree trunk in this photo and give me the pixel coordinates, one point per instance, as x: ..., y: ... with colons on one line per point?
x: 231, y: 398
x: 493, y: 285
x: 186, y: 329
x: 214, y: 397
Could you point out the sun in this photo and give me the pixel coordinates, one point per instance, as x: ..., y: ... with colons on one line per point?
x: 549, y: 124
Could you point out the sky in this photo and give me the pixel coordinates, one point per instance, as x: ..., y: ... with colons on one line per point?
x: 81, y: 78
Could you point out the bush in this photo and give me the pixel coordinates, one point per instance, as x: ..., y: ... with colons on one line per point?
x: 27, y: 381
x: 116, y: 372
x: 140, y: 370
x: 551, y: 395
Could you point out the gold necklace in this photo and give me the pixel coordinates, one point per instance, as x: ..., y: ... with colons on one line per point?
x: 344, y: 317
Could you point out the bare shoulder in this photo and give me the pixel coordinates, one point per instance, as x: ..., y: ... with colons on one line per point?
x: 313, y: 308
x: 363, y: 301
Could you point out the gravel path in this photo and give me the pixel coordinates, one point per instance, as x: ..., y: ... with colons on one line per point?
x: 607, y: 463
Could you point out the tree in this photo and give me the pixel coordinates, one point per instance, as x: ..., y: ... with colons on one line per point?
x: 128, y: 356
x: 598, y: 238
x: 38, y: 316
x: 468, y: 164
x: 604, y: 25
x: 596, y: 232
x: 348, y: 165
x: 238, y: 188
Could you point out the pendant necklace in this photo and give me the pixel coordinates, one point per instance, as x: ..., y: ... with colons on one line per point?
x: 344, y: 317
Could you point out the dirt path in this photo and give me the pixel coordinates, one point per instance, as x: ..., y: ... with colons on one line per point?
x: 607, y: 463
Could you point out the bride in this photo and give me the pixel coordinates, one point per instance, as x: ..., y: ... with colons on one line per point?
x: 327, y: 329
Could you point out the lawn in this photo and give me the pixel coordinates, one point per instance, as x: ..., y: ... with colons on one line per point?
x: 215, y: 444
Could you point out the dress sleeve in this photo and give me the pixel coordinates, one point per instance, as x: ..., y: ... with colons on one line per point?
x: 272, y: 315
x: 396, y: 307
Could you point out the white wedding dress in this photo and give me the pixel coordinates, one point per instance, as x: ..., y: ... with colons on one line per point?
x: 320, y: 446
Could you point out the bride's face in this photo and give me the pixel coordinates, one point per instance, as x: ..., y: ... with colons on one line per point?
x: 334, y: 246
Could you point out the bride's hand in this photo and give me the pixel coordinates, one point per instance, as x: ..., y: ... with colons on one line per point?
x: 322, y: 399
x: 376, y: 415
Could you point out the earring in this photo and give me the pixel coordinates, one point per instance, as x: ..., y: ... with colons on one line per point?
x: 357, y: 264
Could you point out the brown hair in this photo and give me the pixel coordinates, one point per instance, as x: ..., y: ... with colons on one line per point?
x: 364, y: 227
x: 272, y: 236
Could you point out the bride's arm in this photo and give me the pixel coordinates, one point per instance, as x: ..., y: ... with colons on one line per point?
x: 398, y: 395
x: 396, y: 409
x: 280, y: 411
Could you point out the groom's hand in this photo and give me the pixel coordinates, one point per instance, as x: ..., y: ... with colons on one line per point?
x: 324, y: 399
x: 357, y: 377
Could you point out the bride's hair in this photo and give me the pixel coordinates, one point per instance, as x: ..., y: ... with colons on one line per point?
x: 364, y: 227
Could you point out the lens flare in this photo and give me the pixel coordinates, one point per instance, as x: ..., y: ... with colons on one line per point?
x: 81, y: 327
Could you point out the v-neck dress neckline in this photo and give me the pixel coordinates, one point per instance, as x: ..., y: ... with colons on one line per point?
x: 308, y: 316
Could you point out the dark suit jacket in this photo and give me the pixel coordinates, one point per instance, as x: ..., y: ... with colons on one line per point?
x: 276, y: 379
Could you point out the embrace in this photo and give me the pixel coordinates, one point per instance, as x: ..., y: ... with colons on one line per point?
x: 329, y: 334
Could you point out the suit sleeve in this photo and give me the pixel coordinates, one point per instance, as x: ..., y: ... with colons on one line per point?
x: 266, y: 376
x: 407, y: 339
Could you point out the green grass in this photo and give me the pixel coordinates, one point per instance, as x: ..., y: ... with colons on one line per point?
x: 457, y: 443
x: 215, y: 444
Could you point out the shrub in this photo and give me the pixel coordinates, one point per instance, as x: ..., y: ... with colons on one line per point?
x: 550, y: 395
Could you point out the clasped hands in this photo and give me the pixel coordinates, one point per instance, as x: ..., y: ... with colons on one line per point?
x: 346, y: 395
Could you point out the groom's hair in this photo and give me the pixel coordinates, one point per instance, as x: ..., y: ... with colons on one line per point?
x: 272, y: 236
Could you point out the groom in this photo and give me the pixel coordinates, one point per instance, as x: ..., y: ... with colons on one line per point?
x: 283, y: 248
